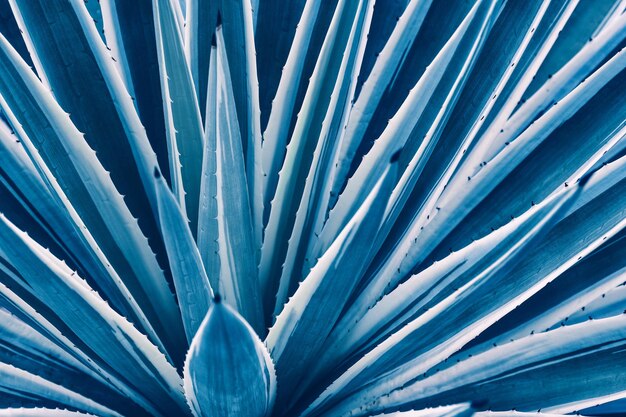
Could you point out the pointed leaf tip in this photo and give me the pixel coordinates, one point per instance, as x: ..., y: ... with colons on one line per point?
x: 213, y: 41
x: 228, y: 371
x: 219, y: 20
x: 193, y: 289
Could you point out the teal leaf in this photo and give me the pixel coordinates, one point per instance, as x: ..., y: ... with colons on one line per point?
x: 192, y: 285
x: 272, y: 47
x: 276, y: 133
x: 28, y: 350
x: 236, y: 21
x: 208, y: 220
x: 460, y: 410
x: 183, y: 124
x: 454, y: 62
x: 299, y: 152
x: 329, y: 208
x: 73, y: 174
x: 130, y: 36
x: 120, y: 347
x: 23, y: 180
x: 381, y: 75
x: 14, y: 379
x: 296, y: 338
x: 228, y: 371
x: 84, y: 91
x: 516, y: 414
x: 311, y: 212
x: 228, y: 245
x: 398, y: 352
x: 41, y: 412
x: 459, y: 197
x: 45, y: 327
x: 516, y: 370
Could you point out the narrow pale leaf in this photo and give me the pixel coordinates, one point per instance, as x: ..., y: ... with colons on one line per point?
x: 18, y: 380
x: 301, y: 329
x: 119, y: 345
x: 70, y: 167
x: 183, y: 124
x: 192, y: 285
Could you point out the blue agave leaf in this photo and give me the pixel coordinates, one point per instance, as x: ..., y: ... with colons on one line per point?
x: 285, y: 100
x: 178, y: 7
x: 586, y: 21
x: 15, y: 205
x: 460, y: 410
x: 183, y: 124
x: 517, y: 368
x: 485, y: 264
x: 41, y: 412
x: 273, y: 45
x: 83, y: 92
x: 410, y: 56
x: 514, y: 286
x: 516, y: 414
x: 517, y: 44
x: 226, y: 239
x: 448, y: 133
x: 402, y: 125
x: 26, y: 349
x: 237, y: 23
x: 299, y: 153
x: 598, y: 268
x: 590, y: 231
x: 500, y: 69
x: 93, y: 7
x: 208, y: 222
x: 50, y: 139
x: 385, y: 18
x: 201, y: 20
x: 25, y: 182
x: 382, y: 73
x: 439, y: 218
x: 377, y: 323
x: 236, y: 19
x: 228, y: 371
x: 25, y: 311
x: 25, y: 339
x: 18, y: 380
x: 607, y: 408
x: 192, y: 285
x: 552, y: 92
x: 118, y: 344
x: 572, y: 303
x: 581, y: 139
x: 78, y: 17
x: 540, y: 38
x: 401, y: 348
x: 296, y: 339
x: 130, y: 35
x: 608, y: 304
x: 311, y: 213
x: 250, y: 133
x: 11, y: 31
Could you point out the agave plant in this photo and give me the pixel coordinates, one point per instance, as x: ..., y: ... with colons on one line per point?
x: 312, y: 208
